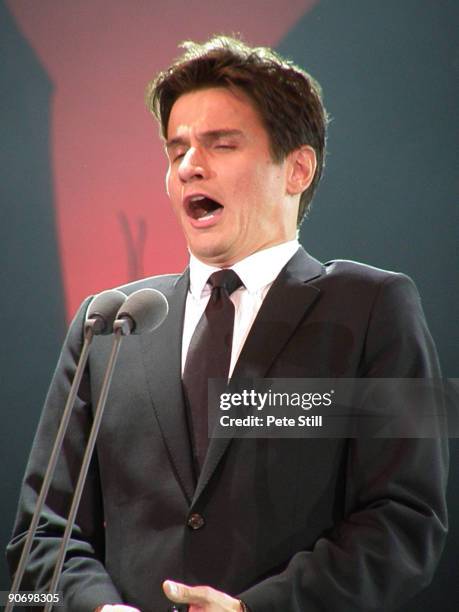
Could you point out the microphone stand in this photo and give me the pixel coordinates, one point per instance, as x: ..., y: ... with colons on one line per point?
x: 88, y: 336
x: 147, y: 310
x: 121, y: 328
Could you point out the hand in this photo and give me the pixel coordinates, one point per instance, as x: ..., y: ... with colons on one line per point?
x: 201, y: 598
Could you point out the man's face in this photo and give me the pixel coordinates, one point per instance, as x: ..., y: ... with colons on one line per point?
x: 229, y: 196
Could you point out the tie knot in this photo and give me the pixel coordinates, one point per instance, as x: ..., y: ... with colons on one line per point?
x: 226, y: 279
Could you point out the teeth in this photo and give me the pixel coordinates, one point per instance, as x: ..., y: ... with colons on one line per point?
x: 197, y: 198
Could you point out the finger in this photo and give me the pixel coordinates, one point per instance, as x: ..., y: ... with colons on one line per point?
x: 117, y: 608
x: 182, y: 593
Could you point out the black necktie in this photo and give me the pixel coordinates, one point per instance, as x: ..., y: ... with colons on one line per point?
x: 209, y: 354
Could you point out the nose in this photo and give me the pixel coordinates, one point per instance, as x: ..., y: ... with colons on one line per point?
x: 192, y: 166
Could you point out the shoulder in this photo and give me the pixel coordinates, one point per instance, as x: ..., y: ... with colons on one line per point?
x: 354, y: 279
x: 355, y: 271
x: 162, y: 282
x: 166, y: 283
x: 366, y: 295
x: 342, y: 272
x: 387, y: 307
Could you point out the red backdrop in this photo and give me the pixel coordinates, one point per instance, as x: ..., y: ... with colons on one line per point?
x: 112, y: 216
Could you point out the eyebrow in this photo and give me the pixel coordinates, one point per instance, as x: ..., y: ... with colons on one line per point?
x: 206, y: 137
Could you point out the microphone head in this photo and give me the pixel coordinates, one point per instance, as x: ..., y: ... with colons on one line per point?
x: 146, y: 309
x: 103, y: 309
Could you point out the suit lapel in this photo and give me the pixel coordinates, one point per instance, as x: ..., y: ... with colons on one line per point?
x: 162, y: 358
x: 283, y: 309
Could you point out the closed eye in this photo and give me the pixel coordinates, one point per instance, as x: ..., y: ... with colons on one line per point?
x: 176, y: 155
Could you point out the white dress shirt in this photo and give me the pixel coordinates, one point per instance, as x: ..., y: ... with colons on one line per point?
x: 257, y: 273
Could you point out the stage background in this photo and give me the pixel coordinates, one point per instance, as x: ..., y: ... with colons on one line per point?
x: 82, y: 195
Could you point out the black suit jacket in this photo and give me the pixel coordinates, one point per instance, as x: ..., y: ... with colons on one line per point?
x: 287, y: 525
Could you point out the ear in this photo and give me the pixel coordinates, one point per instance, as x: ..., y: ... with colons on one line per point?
x: 302, y: 164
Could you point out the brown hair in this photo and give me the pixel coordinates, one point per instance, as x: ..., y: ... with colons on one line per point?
x: 288, y: 99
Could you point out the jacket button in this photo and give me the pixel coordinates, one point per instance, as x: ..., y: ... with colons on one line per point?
x: 196, y: 521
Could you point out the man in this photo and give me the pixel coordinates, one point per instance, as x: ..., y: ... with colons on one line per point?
x: 226, y: 525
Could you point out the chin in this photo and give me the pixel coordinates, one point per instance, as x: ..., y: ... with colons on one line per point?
x: 210, y: 256
x: 207, y: 249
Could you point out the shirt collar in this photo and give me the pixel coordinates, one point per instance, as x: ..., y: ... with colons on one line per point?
x: 255, y: 271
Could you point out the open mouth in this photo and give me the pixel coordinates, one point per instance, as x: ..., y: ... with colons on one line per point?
x: 202, y: 208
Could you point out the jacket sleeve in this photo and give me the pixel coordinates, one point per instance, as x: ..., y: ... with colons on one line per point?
x: 84, y: 581
x: 388, y: 544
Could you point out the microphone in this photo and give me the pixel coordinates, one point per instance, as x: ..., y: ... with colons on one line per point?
x: 103, y: 310
x: 100, y: 317
x: 142, y: 312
